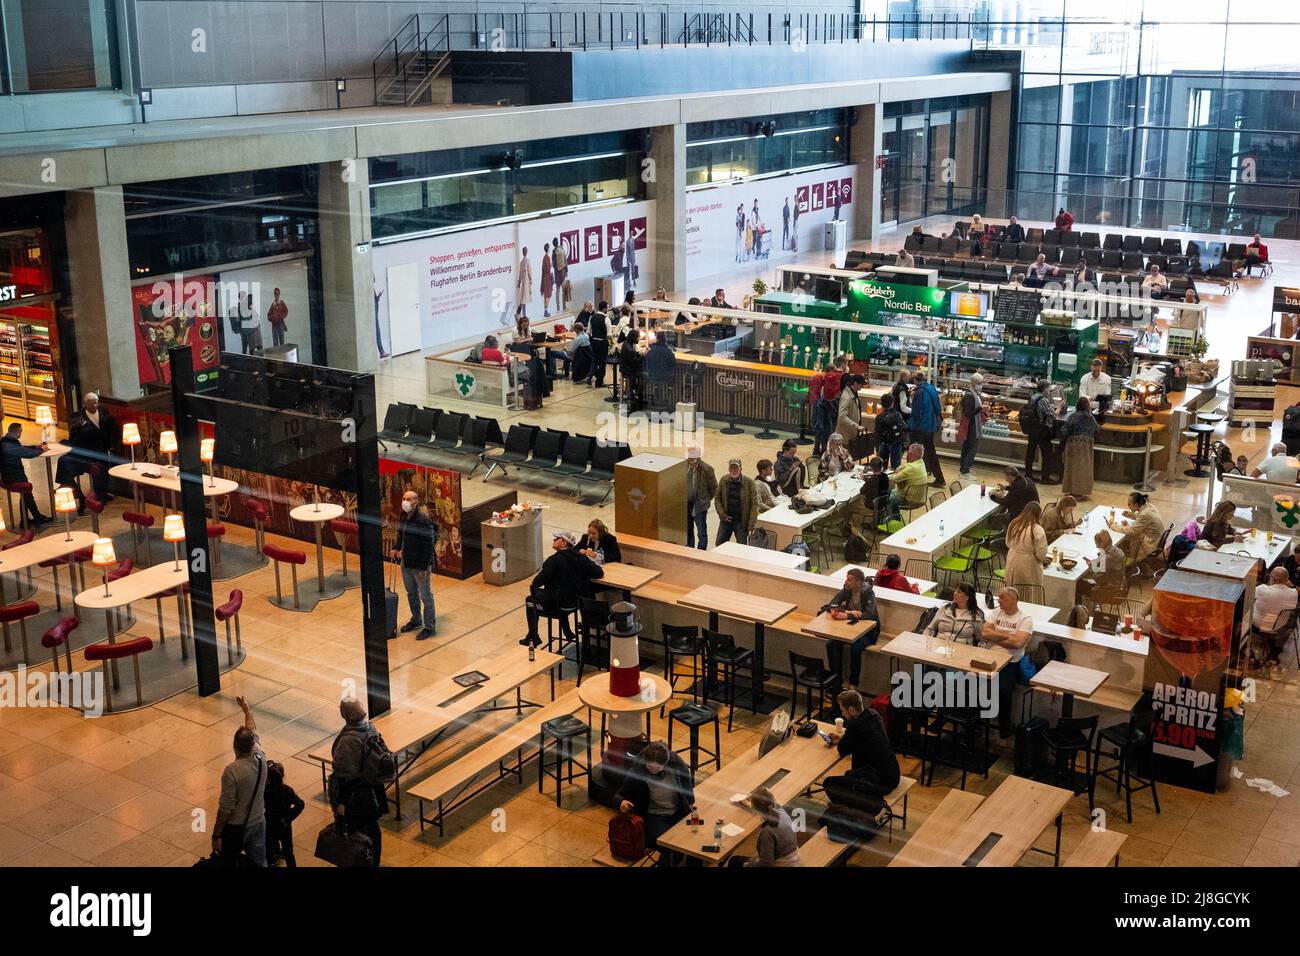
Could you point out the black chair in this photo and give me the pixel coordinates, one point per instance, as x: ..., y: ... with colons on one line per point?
x: 593, y: 638
x: 949, y: 246
x: 768, y: 398
x: 913, y: 242
x: 1071, y: 738
x: 546, y: 450
x: 1113, y: 241
x: 1051, y: 237
x: 1027, y: 252
x: 1133, y: 753
x: 1159, y: 260
x: 1070, y: 240
x: 518, y: 446
x: 972, y: 270
x: 724, y: 660
x: 929, y: 244
x: 1053, y: 255
x: 450, y: 427
x: 812, y: 674
x: 396, y: 421
x: 1150, y: 244
x: 1131, y: 244
x: 575, y: 456
x: 1175, y: 266
x: 1171, y: 246
x: 1092, y: 257
x: 1089, y: 240
x: 423, y: 423
x: 732, y: 393
x: 1007, y: 251
x: 1132, y: 262
x: 1193, y: 249
x: 693, y: 716
x: 603, y: 459
x: 474, y: 443
x: 564, y: 732
x: 995, y: 273
x: 679, y: 641
x: 959, y: 728
x: 1112, y: 259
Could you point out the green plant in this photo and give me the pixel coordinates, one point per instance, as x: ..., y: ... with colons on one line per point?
x: 1199, y: 348
x: 760, y: 287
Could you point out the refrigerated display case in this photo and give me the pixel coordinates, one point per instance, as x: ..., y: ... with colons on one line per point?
x: 29, y: 360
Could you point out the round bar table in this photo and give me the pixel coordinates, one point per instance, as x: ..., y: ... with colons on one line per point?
x: 594, y: 693
x: 49, y: 456
x: 317, y: 514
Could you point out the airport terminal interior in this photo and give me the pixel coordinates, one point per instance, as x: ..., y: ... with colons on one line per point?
x: 446, y: 434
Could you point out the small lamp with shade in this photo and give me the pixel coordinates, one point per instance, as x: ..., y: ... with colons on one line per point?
x: 45, y: 418
x: 174, y: 531
x: 167, y: 445
x: 103, y: 556
x: 65, y: 502
x: 131, y: 438
x: 207, y: 449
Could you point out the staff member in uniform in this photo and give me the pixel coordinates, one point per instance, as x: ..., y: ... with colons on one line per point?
x: 1095, y: 387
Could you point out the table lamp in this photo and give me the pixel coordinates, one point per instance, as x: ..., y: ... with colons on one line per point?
x: 65, y: 502
x: 207, y: 447
x: 167, y: 445
x: 45, y: 419
x: 131, y: 438
x: 174, y: 531
x: 103, y: 556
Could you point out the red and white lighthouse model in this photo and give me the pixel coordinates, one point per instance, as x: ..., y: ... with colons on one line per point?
x: 624, y: 680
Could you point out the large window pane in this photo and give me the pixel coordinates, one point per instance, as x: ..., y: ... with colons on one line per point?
x: 60, y: 44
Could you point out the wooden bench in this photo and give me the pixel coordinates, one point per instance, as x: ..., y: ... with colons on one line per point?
x: 1098, y: 848
x: 941, y: 826
x: 447, y: 787
x: 822, y: 851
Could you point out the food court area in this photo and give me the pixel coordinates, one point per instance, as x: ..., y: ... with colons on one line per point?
x: 597, y: 681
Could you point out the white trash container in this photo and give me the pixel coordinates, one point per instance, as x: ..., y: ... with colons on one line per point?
x: 685, y: 417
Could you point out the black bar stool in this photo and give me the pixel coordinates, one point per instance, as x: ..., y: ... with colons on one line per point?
x: 732, y: 394
x: 766, y: 398
x: 563, y: 731
x: 693, y: 716
x: 721, y: 653
x: 1133, y: 745
x: 677, y: 641
x: 796, y: 401
x: 592, y: 621
x: 812, y: 674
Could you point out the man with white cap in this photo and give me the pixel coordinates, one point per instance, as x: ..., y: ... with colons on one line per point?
x: 92, y: 435
x: 565, y: 576
x: 701, y: 486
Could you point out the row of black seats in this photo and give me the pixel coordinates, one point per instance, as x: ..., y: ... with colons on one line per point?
x: 431, y: 432
x: 1026, y: 253
x: 976, y: 270
x: 1113, y: 242
x: 558, y: 454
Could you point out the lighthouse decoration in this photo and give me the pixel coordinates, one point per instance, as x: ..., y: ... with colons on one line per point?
x: 624, y: 680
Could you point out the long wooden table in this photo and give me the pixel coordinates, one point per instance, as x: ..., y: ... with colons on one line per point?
x: 151, y: 582
x: 148, y: 475
x: 51, y: 545
x: 933, y: 650
x: 1016, y: 813
x: 922, y: 539
x: 801, y: 760
x: 738, y: 606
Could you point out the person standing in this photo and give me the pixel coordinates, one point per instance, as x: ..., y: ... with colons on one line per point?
x: 736, y: 502
x: 12, y: 453
x: 701, y: 486
x: 973, y: 416
x: 1026, y: 547
x: 785, y: 224
x: 283, y: 805
x: 357, y: 782
x: 1291, y: 428
x: 927, y: 419
x: 417, y: 535
x: 891, y: 431
x: 1064, y: 221
x: 1077, y: 438
x: 1038, y: 422
x: 560, y: 267
x: 1095, y: 386
x: 275, y: 315
x: 548, y: 279
x: 598, y: 333
x: 250, y: 326
x: 630, y: 269
x: 92, y: 436
x: 838, y: 202
x: 794, y: 229
x: 740, y: 231
x: 848, y: 419
x: 523, y: 283
x: 241, y: 807
x: 379, y: 335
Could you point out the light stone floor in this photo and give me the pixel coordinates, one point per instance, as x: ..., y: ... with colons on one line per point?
x: 124, y: 790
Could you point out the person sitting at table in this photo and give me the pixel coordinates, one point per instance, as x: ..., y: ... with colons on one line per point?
x: 891, y: 577
x: 1256, y: 254
x: 959, y: 619
x: 1026, y: 547
x: 1272, y: 602
x: 658, y: 788
x: 1278, y: 466
x: 1142, y: 539
x: 768, y: 487
x: 1059, y: 517
x: 835, y: 459
x: 778, y: 845
x: 660, y: 361
x: 565, y: 576
x: 910, y: 481
x: 12, y: 453
x: 1106, y: 571
x: 1008, y: 627
x: 873, y: 767
x: 492, y: 354
x: 1013, y: 494
x: 92, y: 435
x: 854, y: 602
x: 599, y: 539
x: 736, y: 503
x: 875, y: 481
x: 1154, y: 283
x: 581, y: 357
x: 791, y: 473
x: 1218, y: 530
x: 630, y: 364
x: 719, y: 300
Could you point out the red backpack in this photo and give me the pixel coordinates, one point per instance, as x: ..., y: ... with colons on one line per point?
x: 831, y: 386
x: 627, y: 836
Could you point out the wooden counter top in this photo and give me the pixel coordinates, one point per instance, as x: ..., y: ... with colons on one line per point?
x: 725, y: 363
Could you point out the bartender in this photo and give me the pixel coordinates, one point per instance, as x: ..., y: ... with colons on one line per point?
x: 1095, y: 386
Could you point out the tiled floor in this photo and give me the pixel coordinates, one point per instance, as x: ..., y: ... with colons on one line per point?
x: 131, y: 789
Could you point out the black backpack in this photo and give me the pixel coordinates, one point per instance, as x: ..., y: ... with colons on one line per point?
x: 1030, y: 419
x: 855, y: 547
x: 1291, y: 419
x: 378, y: 765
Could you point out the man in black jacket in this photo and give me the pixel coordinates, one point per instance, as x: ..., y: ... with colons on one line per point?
x: 417, y: 533
x: 565, y: 576
x: 598, y: 332
x: 873, y: 768
x: 1018, y: 490
x: 856, y: 601
x: 92, y: 435
x: 1015, y: 232
x: 12, y: 453
x: 1040, y: 430
x: 658, y: 787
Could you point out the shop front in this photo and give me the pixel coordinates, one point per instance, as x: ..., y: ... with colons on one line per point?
x: 31, y: 367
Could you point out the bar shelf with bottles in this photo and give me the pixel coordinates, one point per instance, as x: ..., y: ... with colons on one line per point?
x: 27, y: 366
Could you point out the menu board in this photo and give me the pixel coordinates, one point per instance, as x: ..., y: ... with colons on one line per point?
x: 1017, y: 305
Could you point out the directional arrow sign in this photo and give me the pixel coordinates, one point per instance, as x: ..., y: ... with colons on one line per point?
x: 1198, y: 757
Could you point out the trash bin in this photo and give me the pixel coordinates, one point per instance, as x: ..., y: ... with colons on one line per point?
x: 685, y: 416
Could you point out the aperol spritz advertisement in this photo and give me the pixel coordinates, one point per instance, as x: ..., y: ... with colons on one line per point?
x: 1193, y: 617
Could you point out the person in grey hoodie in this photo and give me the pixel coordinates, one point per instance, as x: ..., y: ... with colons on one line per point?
x: 241, y: 808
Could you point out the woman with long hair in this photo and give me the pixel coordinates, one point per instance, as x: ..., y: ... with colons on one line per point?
x: 1218, y: 528
x: 1026, y: 547
x: 1076, y: 449
x: 960, y: 617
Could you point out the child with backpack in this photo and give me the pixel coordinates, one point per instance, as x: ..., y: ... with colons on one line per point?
x: 283, y: 805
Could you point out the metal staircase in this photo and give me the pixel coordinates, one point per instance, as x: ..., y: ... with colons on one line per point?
x: 406, y: 68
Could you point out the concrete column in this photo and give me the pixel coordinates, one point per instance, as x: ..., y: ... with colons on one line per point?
x: 1001, y: 128
x: 667, y: 187
x: 346, y: 276
x: 865, y: 144
x: 100, y: 271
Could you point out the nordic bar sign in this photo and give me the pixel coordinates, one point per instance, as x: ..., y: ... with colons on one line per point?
x: 867, y: 299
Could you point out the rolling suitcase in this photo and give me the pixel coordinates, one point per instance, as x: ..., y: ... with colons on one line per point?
x: 390, y: 601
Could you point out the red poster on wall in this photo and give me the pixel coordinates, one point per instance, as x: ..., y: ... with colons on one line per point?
x: 801, y: 199
x: 818, y: 196
x: 636, y: 228
x: 593, y: 246
x: 846, y: 191
x: 614, y: 237
x: 172, y: 312
x: 569, y: 242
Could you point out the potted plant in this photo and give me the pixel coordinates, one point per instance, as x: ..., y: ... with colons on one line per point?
x: 760, y: 288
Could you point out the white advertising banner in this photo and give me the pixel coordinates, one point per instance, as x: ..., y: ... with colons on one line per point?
x: 470, y: 283
x: 765, y: 221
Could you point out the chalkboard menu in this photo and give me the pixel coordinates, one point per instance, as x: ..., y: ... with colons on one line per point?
x: 1017, y: 305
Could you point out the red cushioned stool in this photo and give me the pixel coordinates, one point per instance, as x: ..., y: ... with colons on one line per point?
x: 19, y: 488
x: 105, y: 653
x: 96, y: 508
x: 54, y: 564
x: 230, y: 612
x: 349, y: 535
x: 27, y: 537
x: 182, y: 615
x: 81, y: 559
x: 20, y: 612
x: 216, y: 531
x: 277, y: 555
x: 257, y: 511
x: 140, y: 524
x: 124, y: 568
x: 60, y: 636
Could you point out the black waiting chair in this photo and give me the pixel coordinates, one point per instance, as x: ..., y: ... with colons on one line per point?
x: 1131, y: 244
x: 1132, y: 262
x: 1051, y: 237
x: 518, y: 446
x: 1070, y: 240
x: 995, y: 273
x: 1070, y: 739
x: 603, y: 459
x: 812, y: 674
x: 575, y: 456
x: 913, y: 242
x: 949, y: 246
x: 930, y: 244
x: 1112, y: 259
x: 1171, y: 246
x: 1150, y: 245
x: 450, y: 427
x: 724, y: 660
x: 1113, y: 241
x: 423, y: 423
x: 1132, y: 755
x: 1089, y: 240
x: 1027, y: 252
x: 396, y: 421
x: 1092, y: 257
x: 475, y: 441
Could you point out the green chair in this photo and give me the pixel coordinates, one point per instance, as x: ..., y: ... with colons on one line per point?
x: 883, y: 524
x: 915, y: 569
x: 795, y: 398
x: 950, y: 566
x: 978, y: 553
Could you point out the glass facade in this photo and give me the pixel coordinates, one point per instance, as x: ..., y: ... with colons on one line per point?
x: 427, y: 192
x: 51, y: 45
x: 724, y: 150
x: 936, y: 157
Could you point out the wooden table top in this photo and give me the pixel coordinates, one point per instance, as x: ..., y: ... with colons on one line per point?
x: 1018, y: 810
x: 736, y: 604
x: 938, y: 830
x: 134, y: 587
x: 169, y: 480
x: 595, y: 694
x: 823, y: 625
x: 627, y: 577
x: 52, y: 545
x: 317, y: 514
x: 1069, y: 678
x: 917, y: 647
x: 803, y: 760
x: 778, y: 559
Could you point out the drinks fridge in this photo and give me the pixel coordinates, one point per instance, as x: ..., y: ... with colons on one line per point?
x: 28, y: 359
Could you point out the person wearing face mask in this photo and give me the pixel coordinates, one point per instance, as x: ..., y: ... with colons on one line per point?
x: 417, y: 533
x: 659, y: 789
